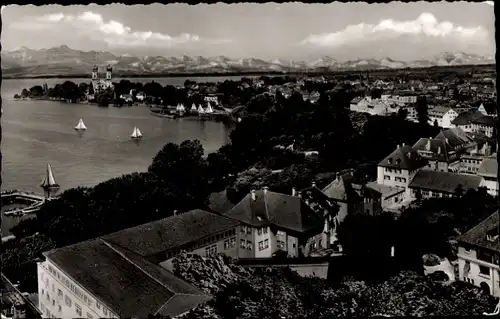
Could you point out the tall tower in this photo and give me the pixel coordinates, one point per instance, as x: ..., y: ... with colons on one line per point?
x: 95, y: 73
x: 109, y: 71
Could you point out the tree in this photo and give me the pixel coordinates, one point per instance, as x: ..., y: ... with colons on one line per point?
x: 422, y: 110
x: 25, y: 93
x: 459, y: 191
x: 403, y: 113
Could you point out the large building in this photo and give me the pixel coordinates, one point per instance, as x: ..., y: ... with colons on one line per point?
x: 126, y: 274
x: 479, y: 255
x: 273, y: 221
x: 428, y: 184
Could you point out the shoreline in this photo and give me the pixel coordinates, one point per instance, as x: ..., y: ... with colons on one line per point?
x: 249, y: 73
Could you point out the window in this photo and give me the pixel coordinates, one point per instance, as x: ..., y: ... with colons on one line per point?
x: 67, y: 301
x: 105, y: 311
x: 266, y: 243
x: 387, y: 177
x: 59, y: 308
x: 90, y: 316
x: 242, y: 243
x: 261, y: 245
x: 483, y: 270
x: 48, y: 296
x: 259, y: 231
x: 264, y: 230
x: 43, y: 291
x: 53, y: 302
x: 281, y: 244
x: 59, y: 293
x: 232, y: 243
x: 210, y: 251
x: 249, y: 230
x: 249, y: 245
x: 98, y: 305
x: 242, y: 229
x: 403, y: 179
x: 78, y: 309
x: 226, y: 244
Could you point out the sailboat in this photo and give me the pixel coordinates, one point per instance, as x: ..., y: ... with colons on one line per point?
x: 49, y: 184
x: 209, y: 108
x: 80, y: 126
x: 193, y: 108
x: 136, y: 134
x: 200, y: 109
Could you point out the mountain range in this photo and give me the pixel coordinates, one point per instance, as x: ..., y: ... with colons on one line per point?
x: 64, y: 61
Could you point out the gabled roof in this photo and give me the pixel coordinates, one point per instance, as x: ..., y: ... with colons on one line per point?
x: 372, y: 190
x: 485, y: 120
x: 466, y: 117
x: 341, y: 188
x: 171, y: 232
x: 439, y: 148
x: 270, y: 208
x: 404, y: 157
x: 444, y: 181
x: 128, y: 284
x: 454, y: 137
x: 488, y: 167
x: 477, y: 235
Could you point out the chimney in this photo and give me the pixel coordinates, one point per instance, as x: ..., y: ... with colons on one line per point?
x: 313, y: 184
x: 403, y: 144
x: 175, y: 212
x: 446, y: 140
x: 252, y: 192
x: 265, y: 189
x: 397, y: 146
x: 439, y: 150
x: 294, y: 191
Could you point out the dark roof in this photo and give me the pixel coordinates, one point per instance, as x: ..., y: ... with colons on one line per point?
x: 374, y: 190
x: 341, y: 188
x: 125, y: 282
x: 444, y: 181
x: 317, y: 200
x: 438, y: 148
x: 172, y: 232
x: 404, y: 157
x: 477, y: 235
x: 270, y: 208
x: 454, y: 137
x: 466, y: 117
x: 485, y: 120
x: 219, y: 203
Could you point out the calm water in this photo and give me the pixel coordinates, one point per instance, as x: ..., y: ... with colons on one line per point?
x: 35, y: 133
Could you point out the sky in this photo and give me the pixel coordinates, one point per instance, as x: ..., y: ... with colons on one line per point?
x: 291, y: 31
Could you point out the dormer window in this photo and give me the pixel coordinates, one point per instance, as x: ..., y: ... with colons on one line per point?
x: 491, y: 238
x: 398, y: 161
x: 492, y: 235
x: 389, y: 161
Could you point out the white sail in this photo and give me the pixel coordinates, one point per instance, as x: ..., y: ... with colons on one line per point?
x: 136, y: 133
x: 49, y: 180
x: 182, y: 108
x: 80, y: 126
x: 209, y: 108
x: 193, y: 107
x: 200, y: 109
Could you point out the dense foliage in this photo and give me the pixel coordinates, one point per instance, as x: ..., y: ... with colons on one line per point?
x: 282, y: 293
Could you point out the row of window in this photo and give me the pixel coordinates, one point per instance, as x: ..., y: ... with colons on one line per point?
x: 204, y: 242
x: 261, y: 231
x: 264, y: 244
x: 393, y: 170
x: 211, y: 251
x: 400, y: 179
x: 245, y: 244
x: 78, y: 292
x: 246, y: 230
x: 230, y: 243
x: 471, y: 161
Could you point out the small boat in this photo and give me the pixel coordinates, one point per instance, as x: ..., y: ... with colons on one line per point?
x: 136, y: 134
x: 193, y: 108
x: 164, y: 115
x: 49, y: 184
x: 209, y: 108
x: 80, y: 126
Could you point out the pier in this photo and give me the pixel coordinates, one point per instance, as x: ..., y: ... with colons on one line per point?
x: 15, y: 197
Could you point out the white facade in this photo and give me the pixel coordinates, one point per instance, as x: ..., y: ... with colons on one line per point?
x: 443, y: 120
x: 61, y: 297
x: 483, y: 128
x: 394, y: 177
x: 478, y: 272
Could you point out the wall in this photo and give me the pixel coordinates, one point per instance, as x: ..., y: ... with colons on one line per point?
x: 492, y: 185
x: 394, y: 177
x: 53, y: 294
x: 265, y: 234
x: 392, y: 200
x: 493, y: 280
x: 242, y: 235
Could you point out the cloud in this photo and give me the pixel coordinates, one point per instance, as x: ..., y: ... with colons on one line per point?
x: 114, y: 33
x: 491, y: 3
x: 425, y: 25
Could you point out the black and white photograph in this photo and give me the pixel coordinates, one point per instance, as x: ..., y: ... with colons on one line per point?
x: 249, y: 160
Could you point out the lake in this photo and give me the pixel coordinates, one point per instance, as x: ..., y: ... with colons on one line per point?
x: 35, y: 133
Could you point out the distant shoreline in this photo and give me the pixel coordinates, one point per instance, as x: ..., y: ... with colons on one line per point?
x: 228, y: 74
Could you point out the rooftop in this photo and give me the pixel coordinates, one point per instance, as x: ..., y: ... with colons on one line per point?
x: 171, y: 232
x: 444, y: 181
x: 477, y: 235
x: 125, y: 282
x: 439, y: 148
x: 404, y: 157
x: 263, y: 207
x: 383, y: 190
x: 341, y: 188
x: 488, y: 167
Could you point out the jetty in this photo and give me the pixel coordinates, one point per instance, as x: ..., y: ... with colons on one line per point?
x: 34, y: 202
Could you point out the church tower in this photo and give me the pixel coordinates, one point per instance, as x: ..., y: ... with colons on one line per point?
x: 95, y: 73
